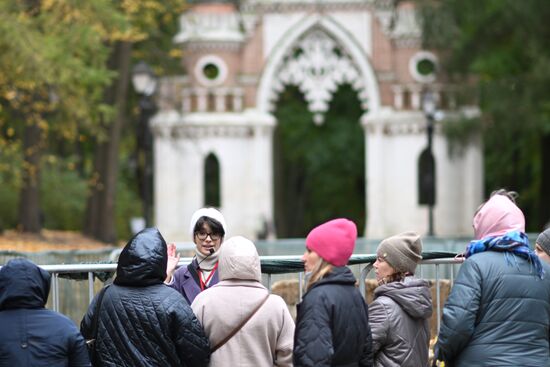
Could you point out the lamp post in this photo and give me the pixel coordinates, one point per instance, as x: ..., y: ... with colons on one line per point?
x: 426, y: 163
x: 145, y: 83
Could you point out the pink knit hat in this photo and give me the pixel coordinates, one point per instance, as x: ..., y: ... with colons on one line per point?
x: 333, y: 241
x: 498, y: 216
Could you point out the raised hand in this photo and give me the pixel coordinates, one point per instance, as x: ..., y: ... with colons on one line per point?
x: 173, y: 260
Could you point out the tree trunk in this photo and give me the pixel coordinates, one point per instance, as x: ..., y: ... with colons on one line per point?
x: 92, y: 214
x: 100, y: 211
x: 544, y: 202
x: 29, y: 198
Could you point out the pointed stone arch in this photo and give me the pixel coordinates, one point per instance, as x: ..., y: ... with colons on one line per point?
x: 239, y: 126
x: 366, y: 82
x: 212, y: 185
x: 347, y: 61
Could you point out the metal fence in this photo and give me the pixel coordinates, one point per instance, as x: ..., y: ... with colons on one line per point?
x: 74, y: 285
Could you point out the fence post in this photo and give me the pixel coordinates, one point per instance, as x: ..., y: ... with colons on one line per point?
x: 90, y: 286
x: 437, y: 294
x: 364, y: 272
x: 300, y: 284
x: 55, y: 292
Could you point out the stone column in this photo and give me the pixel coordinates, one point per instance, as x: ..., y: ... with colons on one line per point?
x: 202, y: 101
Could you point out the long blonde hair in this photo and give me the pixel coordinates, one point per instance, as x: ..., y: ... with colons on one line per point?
x: 321, y: 269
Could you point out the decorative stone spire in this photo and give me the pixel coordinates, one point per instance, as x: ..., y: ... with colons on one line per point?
x: 210, y: 22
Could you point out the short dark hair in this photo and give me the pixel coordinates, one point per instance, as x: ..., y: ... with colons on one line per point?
x: 216, y: 226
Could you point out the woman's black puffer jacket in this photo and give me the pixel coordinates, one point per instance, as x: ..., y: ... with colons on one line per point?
x: 142, y: 321
x: 332, y: 325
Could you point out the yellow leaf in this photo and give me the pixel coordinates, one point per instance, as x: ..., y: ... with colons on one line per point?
x: 43, y: 124
x: 176, y: 53
x: 47, y: 4
x: 10, y: 95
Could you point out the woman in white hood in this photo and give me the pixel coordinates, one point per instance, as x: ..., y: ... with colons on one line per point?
x: 246, y: 326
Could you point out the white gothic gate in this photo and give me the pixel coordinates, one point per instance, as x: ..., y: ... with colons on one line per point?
x: 236, y: 61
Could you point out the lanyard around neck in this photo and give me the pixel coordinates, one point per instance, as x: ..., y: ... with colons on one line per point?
x: 204, y: 283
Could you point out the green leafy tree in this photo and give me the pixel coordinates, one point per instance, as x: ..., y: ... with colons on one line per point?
x: 319, y: 170
x: 153, y: 23
x: 64, y: 76
x: 52, y: 72
x: 502, y: 49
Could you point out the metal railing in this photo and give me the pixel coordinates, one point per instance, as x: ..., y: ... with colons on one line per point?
x: 89, y: 272
x: 437, y: 262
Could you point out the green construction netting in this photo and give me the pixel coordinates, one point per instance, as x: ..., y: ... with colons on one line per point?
x: 296, y: 266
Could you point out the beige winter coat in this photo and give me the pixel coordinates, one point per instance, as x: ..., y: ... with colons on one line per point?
x: 267, y: 338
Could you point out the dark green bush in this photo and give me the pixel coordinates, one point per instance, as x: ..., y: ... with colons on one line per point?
x: 62, y: 196
x: 128, y: 205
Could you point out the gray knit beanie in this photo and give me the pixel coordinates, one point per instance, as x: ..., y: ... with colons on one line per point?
x: 402, y: 251
x: 543, y: 241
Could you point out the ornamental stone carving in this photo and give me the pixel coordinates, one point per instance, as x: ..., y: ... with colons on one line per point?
x: 317, y: 65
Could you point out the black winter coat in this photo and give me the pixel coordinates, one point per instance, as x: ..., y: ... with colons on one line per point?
x: 332, y: 325
x: 143, y: 322
x: 31, y: 335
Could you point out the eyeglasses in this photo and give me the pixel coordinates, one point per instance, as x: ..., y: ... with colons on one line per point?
x: 203, y: 234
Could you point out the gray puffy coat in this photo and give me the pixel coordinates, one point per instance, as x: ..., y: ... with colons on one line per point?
x: 498, y: 314
x: 399, y: 320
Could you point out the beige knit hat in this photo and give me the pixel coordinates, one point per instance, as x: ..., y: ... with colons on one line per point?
x: 403, y: 251
x: 543, y: 240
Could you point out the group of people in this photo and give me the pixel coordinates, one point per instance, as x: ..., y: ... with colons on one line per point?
x: 216, y: 312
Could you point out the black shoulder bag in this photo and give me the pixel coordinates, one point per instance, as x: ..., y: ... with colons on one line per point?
x: 90, y: 343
